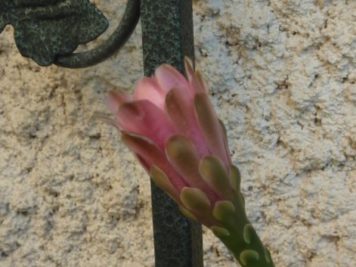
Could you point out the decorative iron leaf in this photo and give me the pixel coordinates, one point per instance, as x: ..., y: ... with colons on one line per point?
x: 46, y: 29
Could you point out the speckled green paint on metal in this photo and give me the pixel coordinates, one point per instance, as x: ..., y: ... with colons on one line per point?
x: 46, y: 29
x: 108, y: 48
x: 167, y: 30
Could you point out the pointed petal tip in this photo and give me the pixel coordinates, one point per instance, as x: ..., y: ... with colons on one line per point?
x: 148, y: 89
x: 115, y: 99
x: 168, y: 77
x: 188, y: 65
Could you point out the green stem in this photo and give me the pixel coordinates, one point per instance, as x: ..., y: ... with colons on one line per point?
x: 240, y: 237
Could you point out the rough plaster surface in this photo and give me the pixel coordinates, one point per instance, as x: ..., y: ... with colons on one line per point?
x: 282, y: 76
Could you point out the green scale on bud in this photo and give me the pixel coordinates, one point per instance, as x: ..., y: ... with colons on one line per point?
x: 213, y: 173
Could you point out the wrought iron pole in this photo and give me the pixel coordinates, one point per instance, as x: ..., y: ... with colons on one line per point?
x: 167, y: 28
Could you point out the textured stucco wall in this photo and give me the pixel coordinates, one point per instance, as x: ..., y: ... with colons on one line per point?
x: 282, y: 76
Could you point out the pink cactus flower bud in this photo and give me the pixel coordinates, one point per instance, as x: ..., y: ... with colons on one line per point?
x: 172, y: 128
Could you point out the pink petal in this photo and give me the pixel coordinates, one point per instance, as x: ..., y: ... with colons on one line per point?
x: 168, y: 78
x: 177, y: 106
x: 149, y: 154
x: 144, y: 118
x: 211, y: 127
x: 148, y: 89
x: 196, y: 82
x: 180, y: 109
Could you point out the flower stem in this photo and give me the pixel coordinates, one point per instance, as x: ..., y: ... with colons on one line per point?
x: 241, y: 239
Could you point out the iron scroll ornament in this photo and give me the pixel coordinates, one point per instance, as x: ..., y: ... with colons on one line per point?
x: 48, y: 31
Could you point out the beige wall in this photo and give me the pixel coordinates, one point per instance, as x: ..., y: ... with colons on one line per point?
x: 282, y: 77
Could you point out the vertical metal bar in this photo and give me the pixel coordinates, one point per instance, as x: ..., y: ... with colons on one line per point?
x: 167, y: 29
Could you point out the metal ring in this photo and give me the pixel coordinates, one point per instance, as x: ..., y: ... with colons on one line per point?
x: 110, y: 46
